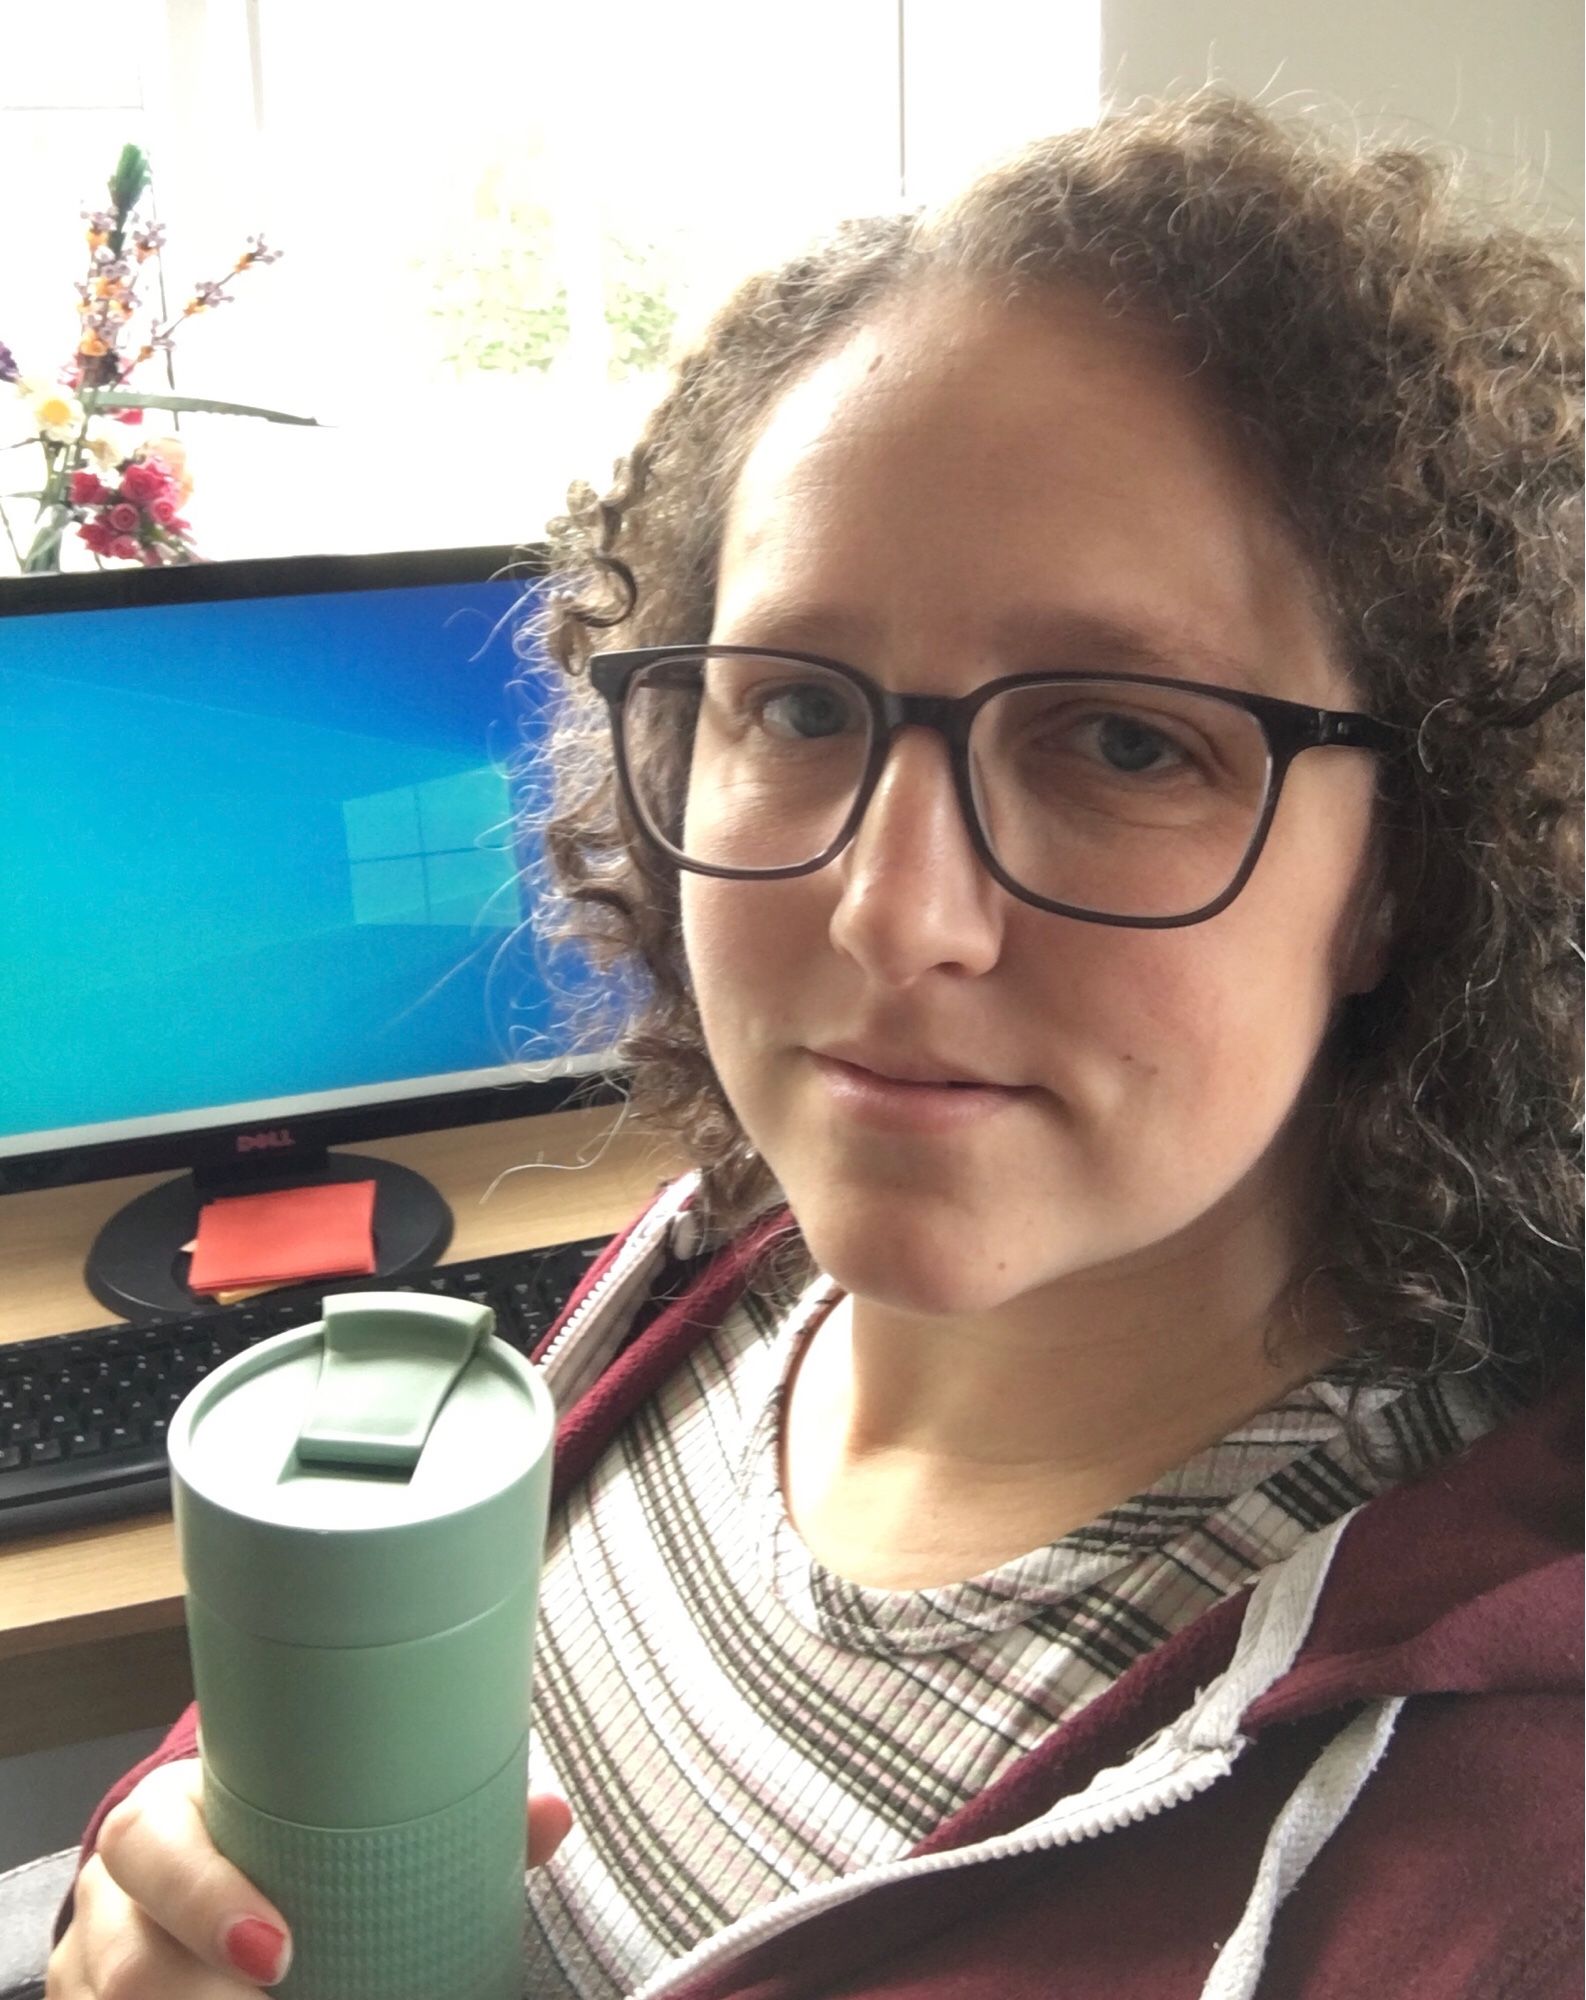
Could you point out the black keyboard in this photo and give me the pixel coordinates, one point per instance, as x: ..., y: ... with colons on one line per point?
x: 83, y: 1416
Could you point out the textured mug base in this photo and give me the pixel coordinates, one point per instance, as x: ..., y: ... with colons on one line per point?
x: 431, y: 1908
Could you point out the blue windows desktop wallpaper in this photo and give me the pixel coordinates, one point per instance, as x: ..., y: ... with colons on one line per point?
x: 251, y: 849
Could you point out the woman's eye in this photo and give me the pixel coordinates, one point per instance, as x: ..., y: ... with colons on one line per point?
x: 803, y: 712
x: 1130, y: 746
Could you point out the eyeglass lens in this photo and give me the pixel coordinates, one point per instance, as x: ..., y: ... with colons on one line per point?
x: 1106, y: 796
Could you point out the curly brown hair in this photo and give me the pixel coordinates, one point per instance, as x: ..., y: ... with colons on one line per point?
x: 1409, y: 369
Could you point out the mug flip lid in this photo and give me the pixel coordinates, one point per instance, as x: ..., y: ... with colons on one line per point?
x: 374, y: 1477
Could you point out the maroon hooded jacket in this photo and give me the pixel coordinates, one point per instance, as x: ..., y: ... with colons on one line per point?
x: 1359, y: 1778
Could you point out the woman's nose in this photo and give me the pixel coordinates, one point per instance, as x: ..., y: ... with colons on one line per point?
x: 914, y: 897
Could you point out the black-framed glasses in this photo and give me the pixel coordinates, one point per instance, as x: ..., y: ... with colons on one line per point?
x: 1117, y: 798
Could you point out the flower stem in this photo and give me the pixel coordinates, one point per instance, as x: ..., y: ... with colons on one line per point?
x: 5, y: 522
x: 54, y: 515
x: 44, y: 556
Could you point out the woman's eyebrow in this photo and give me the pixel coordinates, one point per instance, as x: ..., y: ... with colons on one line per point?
x: 785, y: 629
x: 1069, y: 639
x: 1022, y: 641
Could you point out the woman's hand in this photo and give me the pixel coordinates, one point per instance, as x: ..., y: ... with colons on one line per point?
x: 161, y: 1915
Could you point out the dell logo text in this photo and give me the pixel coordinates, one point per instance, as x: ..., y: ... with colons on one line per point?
x: 263, y: 1142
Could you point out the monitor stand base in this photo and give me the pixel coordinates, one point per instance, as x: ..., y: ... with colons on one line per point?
x: 138, y: 1265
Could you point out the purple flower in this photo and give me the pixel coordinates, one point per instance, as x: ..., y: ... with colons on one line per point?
x: 9, y: 371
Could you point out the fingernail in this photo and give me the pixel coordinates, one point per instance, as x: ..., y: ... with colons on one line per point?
x: 258, y: 1950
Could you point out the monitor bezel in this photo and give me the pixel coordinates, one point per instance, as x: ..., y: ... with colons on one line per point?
x: 267, y: 576
x: 210, y: 1144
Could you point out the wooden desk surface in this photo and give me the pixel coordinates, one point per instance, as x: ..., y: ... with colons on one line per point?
x: 91, y: 1636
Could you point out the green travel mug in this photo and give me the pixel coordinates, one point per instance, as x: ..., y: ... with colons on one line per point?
x: 361, y: 1507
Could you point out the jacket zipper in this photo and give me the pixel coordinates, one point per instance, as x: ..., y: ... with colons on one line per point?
x: 1164, y: 1772
x: 1178, y: 1762
x: 638, y: 1247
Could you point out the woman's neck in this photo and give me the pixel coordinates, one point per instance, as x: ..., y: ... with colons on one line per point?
x: 920, y: 1450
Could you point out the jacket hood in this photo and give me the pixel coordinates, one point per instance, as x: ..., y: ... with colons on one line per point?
x: 1468, y: 1580
x: 1464, y: 1581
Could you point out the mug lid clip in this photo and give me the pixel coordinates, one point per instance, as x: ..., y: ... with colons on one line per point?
x: 388, y: 1363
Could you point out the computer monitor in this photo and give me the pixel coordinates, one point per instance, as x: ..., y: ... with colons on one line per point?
x: 264, y: 888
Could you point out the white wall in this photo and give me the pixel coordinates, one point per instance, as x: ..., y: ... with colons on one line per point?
x: 1502, y: 83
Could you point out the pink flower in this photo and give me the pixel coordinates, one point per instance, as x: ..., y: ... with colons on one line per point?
x: 163, y: 510
x: 86, y: 489
x: 144, y: 480
x: 125, y: 549
x: 123, y: 517
x: 97, y: 536
x: 129, y: 416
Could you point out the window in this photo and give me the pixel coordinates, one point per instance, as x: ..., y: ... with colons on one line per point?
x: 492, y: 231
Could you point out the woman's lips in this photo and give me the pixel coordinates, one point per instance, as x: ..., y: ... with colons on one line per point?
x: 891, y: 1105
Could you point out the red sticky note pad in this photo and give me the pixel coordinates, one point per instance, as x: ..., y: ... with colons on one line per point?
x: 279, y: 1238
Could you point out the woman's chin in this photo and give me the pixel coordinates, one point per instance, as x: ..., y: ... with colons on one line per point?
x: 918, y: 1270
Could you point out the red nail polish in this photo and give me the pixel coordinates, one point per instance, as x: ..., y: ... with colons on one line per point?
x: 258, y: 1950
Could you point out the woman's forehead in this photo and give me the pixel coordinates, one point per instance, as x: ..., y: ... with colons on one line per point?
x: 961, y: 463
x: 1048, y: 402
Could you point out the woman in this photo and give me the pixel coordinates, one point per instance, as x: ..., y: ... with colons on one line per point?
x: 1067, y: 1498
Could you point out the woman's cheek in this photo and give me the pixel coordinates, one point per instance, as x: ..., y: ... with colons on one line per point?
x: 742, y: 964
x: 1192, y: 1061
